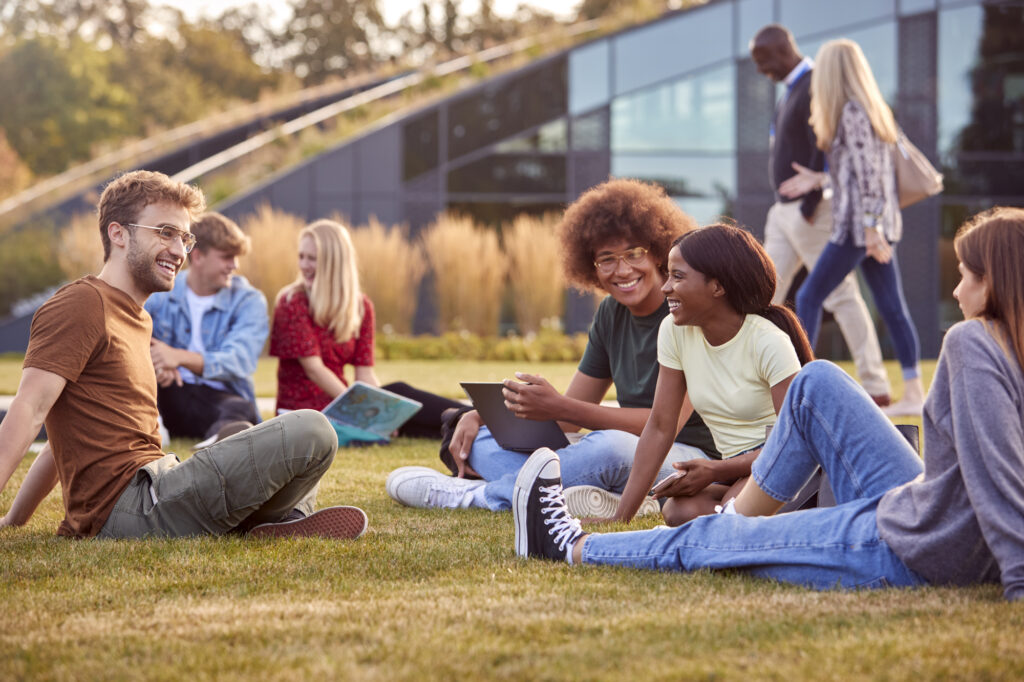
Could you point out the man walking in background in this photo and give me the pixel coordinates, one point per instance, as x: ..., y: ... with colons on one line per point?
x: 797, y: 230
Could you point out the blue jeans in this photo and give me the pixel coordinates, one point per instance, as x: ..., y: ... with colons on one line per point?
x: 826, y: 420
x: 601, y: 458
x: 835, y: 262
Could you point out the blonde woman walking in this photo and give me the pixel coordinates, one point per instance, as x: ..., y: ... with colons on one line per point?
x: 856, y: 129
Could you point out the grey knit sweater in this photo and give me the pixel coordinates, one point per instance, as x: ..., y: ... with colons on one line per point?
x: 962, y: 520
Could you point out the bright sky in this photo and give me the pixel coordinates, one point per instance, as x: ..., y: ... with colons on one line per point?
x: 392, y: 9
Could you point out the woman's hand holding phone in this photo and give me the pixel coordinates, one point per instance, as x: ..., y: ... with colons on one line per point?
x: 666, y: 486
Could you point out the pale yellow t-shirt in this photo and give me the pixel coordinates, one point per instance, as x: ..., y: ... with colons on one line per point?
x: 730, y: 385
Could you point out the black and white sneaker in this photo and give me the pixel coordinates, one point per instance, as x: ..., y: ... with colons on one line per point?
x: 544, y: 528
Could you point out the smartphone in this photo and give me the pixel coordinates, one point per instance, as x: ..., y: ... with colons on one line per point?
x: 664, y: 483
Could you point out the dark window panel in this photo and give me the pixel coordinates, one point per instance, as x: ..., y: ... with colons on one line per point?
x: 495, y: 214
x: 992, y: 174
x: 506, y: 107
x: 518, y: 173
x: 419, y: 145
x: 590, y: 132
x: 428, y: 183
x: 981, y: 66
x: 997, y: 84
x: 550, y: 137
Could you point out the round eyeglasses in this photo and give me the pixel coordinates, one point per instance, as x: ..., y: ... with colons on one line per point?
x: 609, y: 261
x: 170, y: 233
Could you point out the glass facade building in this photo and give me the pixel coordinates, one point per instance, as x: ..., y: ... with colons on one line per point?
x: 678, y: 101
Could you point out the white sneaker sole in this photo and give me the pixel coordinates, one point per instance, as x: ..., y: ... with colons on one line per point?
x: 585, y: 501
x: 521, y: 495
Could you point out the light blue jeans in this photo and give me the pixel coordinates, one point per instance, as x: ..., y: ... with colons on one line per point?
x: 835, y: 262
x: 826, y: 420
x: 601, y: 458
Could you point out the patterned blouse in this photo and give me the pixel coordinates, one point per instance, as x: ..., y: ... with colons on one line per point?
x: 295, y: 335
x: 863, y: 179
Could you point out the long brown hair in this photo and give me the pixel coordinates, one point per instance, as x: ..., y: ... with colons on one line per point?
x: 740, y: 264
x: 991, y: 246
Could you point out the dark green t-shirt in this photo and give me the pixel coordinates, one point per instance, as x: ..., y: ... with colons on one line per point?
x: 624, y: 348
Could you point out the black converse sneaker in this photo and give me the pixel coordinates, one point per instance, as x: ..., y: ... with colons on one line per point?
x: 544, y: 528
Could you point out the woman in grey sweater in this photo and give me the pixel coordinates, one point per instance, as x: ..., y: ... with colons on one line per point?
x: 957, y: 520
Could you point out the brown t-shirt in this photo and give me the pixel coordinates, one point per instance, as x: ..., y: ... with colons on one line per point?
x: 103, y: 426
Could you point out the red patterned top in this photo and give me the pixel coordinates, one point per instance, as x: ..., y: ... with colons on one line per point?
x: 295, y: 335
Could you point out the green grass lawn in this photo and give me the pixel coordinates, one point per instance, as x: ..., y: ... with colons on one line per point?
x: 440, y: 595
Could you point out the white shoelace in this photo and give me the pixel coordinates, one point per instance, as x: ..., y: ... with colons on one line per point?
x: 564, y: 528
x: 445, y: 497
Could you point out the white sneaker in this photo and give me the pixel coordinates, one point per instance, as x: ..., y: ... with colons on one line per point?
x: 586, y: 501
x: 428, y: 488
x: 904, y: 408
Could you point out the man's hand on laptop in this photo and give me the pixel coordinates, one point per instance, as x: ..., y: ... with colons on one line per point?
x: 462, y: 442
x: 532, y: 397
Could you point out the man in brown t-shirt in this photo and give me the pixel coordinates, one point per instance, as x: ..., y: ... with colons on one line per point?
x: 88, y: 374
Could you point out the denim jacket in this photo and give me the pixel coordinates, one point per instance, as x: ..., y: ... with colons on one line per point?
x: 234, y: 330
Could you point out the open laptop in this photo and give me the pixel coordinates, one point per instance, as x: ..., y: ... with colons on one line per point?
x: 512, y: 432
x: 366, y: 413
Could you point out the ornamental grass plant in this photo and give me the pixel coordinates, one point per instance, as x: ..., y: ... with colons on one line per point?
x: 468, y: 269
x: 79, y: 250
x: 534, y: 270
x: 272, y: 262
x: 391, y: 268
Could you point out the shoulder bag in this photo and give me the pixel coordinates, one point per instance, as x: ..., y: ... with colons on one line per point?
x: 916, y: 177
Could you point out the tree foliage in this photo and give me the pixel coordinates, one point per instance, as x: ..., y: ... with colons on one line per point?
x: 79, y: 76
x: 28, y: 265
x: 332, y: 37
x: 59, y: 101
x: 14, y: 174
x: 121, y: 21
x: 65, y: 94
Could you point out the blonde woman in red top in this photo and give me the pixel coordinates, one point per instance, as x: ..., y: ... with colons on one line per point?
x: 323, y: 322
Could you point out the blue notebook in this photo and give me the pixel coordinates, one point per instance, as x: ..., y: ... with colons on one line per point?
x: 368, y: 414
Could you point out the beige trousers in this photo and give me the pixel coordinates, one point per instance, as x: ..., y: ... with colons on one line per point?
x: 792, y: 242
